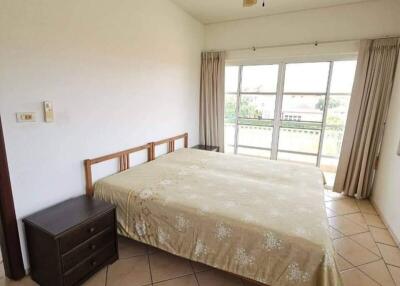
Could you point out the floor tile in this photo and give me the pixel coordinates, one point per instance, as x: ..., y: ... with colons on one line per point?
x: 366, y: 207
x: 344, y: 206
x: 357, y: 218
x: 390, y: 254
x: 249, y: 283
x: 330, y: 213
x: 355, y: 277
x: 342, y: 264
x: 374, y: 220
x: 166, y: 266
x: 334, y: 234
x: 129, y: 272
x: 200, y: 267
x: 353, y: 252
x: 379, y: 272
x: 365, y: 239
x: 346, y: 226
x: 152, y: 250
x: 217, y: 278
x: 26, y: 281
x: 382, y: 236
x: 130, y: 248
x: 395, y: 272
x: 99, y: 279
x: 189, y: 280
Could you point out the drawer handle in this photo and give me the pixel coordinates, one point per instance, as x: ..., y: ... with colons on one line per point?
x: 94, y: 263
x: 93, y: 247
x: 91, y: 230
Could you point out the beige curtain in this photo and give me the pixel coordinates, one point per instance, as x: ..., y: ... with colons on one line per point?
x: 212, y: 90
x: 367, y: 115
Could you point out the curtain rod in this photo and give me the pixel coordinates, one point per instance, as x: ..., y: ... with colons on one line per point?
x: 315, y: 43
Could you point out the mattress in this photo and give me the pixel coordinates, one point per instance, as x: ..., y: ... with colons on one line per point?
x: 261, y: 219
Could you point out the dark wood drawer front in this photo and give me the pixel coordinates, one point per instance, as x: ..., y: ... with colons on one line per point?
x: 84, y: 232
x: 86, y: 249
x: 88, y: 266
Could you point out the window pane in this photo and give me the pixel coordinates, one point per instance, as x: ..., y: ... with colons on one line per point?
x: 299, y: 140
x: 307, y: 77
x: 343, y: 76
x: 308, y: 159
x: 255, y: 136
x: 260, y: 78
x: 257, y: 106
x: 333, y: 138
x: 303, y: 108
x: 231, y: 78
x: 338, y: 108
x: 229, y: 137
x: 254, y: 152
x: 230, y: 107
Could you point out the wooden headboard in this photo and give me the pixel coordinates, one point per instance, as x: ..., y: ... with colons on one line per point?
x: 124, y: 158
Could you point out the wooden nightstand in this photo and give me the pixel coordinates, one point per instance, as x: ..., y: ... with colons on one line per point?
x: 71, y: 241
x: 206, y: 148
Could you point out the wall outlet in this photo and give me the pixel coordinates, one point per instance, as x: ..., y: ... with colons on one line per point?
x: 48, y: 111
x: 26, y: 117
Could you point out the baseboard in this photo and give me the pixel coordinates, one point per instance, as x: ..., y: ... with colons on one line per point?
x: 396, y: 239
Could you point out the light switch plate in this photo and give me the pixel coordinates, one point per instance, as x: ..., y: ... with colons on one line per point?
x: 48, y: 111
x: 26, y: 117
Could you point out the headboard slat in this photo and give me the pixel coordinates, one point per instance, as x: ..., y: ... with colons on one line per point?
x: 124, y: 158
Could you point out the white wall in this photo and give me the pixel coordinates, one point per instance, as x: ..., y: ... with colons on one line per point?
x: 386, y: 195
x: 120, y: 73
x: 356, y: 21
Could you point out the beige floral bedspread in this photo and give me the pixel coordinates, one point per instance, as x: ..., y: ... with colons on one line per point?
x: 261, y: 219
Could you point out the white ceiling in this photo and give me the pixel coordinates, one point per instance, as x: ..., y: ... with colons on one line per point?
x: 212, y: 11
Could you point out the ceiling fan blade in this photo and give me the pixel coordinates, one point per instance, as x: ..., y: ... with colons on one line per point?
x: 248, y: 3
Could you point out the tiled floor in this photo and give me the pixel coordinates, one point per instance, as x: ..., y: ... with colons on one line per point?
x: 366, y: 253
x: 366, y: 256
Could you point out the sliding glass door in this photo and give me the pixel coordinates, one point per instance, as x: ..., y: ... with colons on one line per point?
x: 293, y: 111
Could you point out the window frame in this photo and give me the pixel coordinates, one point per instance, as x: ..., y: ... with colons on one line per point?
x: 277, y: 121
x: 239, y: 94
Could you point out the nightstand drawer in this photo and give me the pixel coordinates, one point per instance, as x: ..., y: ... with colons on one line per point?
x: 70, y: 241
x: 86, y: 249
x: 84, y: 232
x: 92, y: 264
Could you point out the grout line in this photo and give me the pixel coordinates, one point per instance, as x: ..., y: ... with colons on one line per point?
x: 194, y: 272
x: 363, y: 226
x: 387, y: 268
x: 366, y: 274
x: 105, y: 282
x: 375, y: 242
x: 356, y: 212
x: 360, y: 212
x: 347, y: 235
x: 346, y: 261
x: 384, y: 226
x: 133, y: 256
x: 151, y: 275
x: 379, y: 212
x: 360, y: 264
x: 177, y: 277
x: 392, y: 265
x: 366, y: 247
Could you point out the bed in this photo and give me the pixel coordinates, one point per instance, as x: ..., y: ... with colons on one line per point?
x: 262, y: 220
